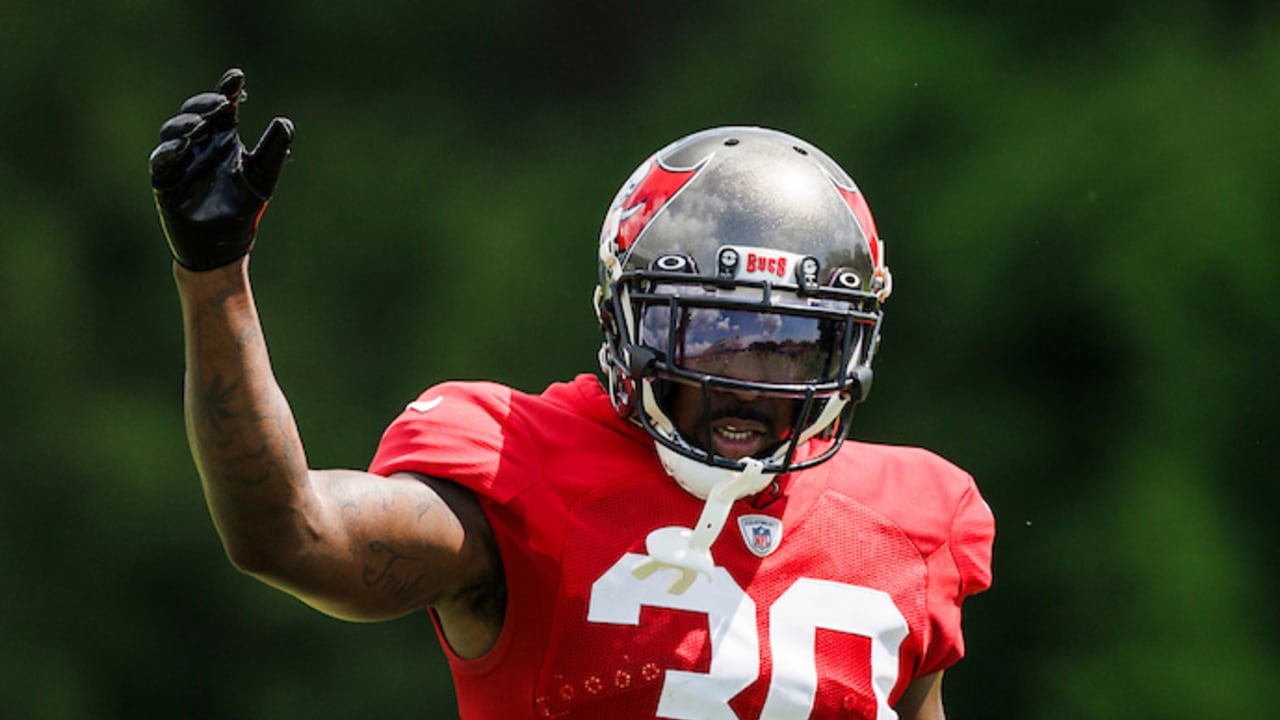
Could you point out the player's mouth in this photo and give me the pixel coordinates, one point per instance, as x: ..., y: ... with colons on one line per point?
x: 736, y: 437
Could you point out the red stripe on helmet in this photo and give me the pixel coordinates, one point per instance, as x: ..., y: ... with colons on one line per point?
x: 862, y: 213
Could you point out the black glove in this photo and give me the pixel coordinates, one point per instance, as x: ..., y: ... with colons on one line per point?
x: 209, y: 192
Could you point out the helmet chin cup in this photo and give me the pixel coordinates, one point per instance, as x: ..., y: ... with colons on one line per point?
x: 689, y: 550
x: 700, y: 479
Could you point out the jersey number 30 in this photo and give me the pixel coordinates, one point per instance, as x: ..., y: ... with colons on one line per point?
x: 794, y: 617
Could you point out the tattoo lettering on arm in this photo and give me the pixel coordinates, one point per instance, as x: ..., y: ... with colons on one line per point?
x: 386, y: 578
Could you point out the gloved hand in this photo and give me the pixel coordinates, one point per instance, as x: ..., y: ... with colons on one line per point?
x: 209, y: 192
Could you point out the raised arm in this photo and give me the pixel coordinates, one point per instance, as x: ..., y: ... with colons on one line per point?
x: 352, y: 544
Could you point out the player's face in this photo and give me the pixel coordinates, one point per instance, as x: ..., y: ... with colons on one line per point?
x: 741, y: 424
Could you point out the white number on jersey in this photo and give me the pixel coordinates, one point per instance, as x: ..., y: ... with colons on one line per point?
x: 804, y: 607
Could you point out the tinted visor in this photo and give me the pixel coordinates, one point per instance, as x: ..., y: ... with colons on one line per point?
x: 764, y: 347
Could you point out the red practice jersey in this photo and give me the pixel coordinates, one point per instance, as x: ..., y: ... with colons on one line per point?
x: 832, y: 589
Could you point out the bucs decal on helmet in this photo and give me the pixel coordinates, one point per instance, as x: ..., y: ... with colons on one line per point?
x: 648, y: 191
x: 768, y: 264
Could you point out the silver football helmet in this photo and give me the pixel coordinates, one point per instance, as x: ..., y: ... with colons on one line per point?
x: 745, y: 261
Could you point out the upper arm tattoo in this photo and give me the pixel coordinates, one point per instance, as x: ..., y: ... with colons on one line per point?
x: 387, y: 576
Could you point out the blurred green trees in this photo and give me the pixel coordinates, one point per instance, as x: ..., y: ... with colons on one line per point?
x: 1078, y: 202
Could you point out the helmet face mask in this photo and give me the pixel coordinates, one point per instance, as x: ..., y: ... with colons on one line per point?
x: 744, y: 262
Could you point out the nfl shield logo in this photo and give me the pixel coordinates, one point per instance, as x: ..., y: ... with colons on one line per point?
x: 761, y: 533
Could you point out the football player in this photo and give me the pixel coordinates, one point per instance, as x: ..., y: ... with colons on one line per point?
x: 688, y: 534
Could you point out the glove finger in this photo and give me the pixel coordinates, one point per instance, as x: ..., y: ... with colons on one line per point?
x: 263, y: 164
x: 205, y: 104
x: 164, y: 162
x: 231, y: 85
x: 217, y: 110
x: 183, y: 125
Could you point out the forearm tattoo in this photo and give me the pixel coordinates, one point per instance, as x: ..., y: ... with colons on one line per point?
x: 243, y: 428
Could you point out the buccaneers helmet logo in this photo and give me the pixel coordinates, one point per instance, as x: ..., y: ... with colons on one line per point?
x: 651, y: 188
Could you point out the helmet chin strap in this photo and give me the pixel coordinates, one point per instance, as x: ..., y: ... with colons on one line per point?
x: 689, y: 550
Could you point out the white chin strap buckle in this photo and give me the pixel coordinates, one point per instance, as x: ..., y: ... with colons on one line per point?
x: 689, y: 550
